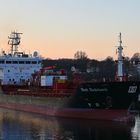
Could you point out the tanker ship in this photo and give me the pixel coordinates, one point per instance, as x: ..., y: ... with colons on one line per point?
x: 26, y: 86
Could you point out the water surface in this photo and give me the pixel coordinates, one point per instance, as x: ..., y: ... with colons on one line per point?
x: 16, y: 125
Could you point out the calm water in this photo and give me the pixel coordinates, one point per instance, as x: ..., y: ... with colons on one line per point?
x: 23, y: 126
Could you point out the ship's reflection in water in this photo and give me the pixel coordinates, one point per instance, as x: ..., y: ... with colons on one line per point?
x: 136, y: 129
x: 23, y: 126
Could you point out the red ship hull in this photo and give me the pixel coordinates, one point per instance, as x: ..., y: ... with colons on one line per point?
x: 92, y: 114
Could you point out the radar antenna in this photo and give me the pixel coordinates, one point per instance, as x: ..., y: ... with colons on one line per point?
x: 14, y: 41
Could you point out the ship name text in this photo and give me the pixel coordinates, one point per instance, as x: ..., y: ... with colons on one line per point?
x: 93, y: 89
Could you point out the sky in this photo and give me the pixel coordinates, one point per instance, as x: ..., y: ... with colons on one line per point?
x: 60, y: 28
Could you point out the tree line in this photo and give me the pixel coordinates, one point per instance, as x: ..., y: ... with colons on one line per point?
x: 95, y: 69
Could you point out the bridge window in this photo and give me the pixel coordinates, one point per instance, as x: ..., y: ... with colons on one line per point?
x: 34, y: 62
x: 39, y: 62
x: 21, y: 62
x: 1, y: 62
x: 28, y: 62
x: 8, y: 62
x: 15, y: 62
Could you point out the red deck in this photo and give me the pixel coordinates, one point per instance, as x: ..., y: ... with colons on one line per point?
x: 41, y: 92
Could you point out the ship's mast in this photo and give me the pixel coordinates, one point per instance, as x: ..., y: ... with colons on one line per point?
x: 120, y: 73
x: 14, y: 41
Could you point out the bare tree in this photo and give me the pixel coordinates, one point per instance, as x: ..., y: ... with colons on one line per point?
x: 80, y: 55
x: 136, y: 57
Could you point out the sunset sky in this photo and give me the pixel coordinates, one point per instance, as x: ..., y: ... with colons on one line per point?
x: 59, y: 28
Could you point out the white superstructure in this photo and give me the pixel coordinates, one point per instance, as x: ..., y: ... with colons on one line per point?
x: 16, y: 68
